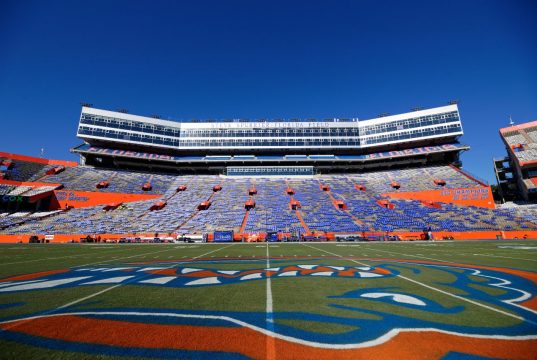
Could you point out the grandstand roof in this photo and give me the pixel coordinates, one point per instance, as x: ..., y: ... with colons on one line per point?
x: 379, y: 119
x: 522, y: 126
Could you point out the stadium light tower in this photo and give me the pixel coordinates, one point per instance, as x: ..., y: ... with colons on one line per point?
x: 85, y: 104
x: 511, y: 122
x: 453, y: 102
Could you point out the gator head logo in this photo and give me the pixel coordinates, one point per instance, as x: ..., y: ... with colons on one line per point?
x: 336, y: 309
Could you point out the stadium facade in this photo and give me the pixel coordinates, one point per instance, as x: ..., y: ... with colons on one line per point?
x: 516, y: 173
x: 392, y: 176
x: 119, y: 139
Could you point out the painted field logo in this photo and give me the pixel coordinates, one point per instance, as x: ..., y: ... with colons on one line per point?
x: 176, y: 276
x: 353, y: 312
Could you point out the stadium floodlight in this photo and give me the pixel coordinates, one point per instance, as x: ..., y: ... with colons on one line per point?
x: 85, y: 104
x: 155, y: 116
x: 417, y: 108
x: 124, y: 111
x: 453, y: 102
x: 384, y: 114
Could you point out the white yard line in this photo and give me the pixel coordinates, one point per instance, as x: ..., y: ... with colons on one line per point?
x: 504, y: 257
x: 42, y: 259
x: 125, y: 257
x: 416, y: 256
x: 432, y: 288
x: 269, y: 290
x: 271, y: 344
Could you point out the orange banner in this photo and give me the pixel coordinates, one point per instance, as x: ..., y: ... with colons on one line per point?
x: 78, y: 199
x: 479, y: 196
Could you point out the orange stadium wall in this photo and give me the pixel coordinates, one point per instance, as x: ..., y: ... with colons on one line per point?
x: 405, y: 236
x: 65, y: 238
x: 37, y: 160
x: 481, y: 196
x: 77, y: 199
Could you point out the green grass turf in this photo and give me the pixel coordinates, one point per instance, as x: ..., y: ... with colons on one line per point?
x: 304, y: 294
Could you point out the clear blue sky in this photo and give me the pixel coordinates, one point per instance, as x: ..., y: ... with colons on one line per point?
x: 251, y: 59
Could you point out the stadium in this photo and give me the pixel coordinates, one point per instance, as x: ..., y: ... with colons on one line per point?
x: 268, y: 239
x: 395, y: 177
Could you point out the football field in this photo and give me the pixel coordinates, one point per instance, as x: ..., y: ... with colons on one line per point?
x: 403, y: 300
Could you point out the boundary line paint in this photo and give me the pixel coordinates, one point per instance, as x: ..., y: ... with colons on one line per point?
x: 428, y: 258
x: 416, y: 256
x: 53, y: 258
x: 433, y: 288
x: 122, y: 258
x: 506, y: 257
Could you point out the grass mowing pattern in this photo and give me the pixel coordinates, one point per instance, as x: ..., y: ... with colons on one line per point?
x: 325, y: 308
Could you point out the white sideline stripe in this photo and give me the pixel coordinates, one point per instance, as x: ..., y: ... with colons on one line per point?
x: 112, y: 280
x: 160, y: 280
x: 271, y: 344
x: 505, y: 257
x: 228, y: 272
x: 115, y: 286
x: 435, y: 289
x: 122, y: 258
x: 416, y: 256
x: 52, y: 258
x: 43, y: 284
x: 378, y: 341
